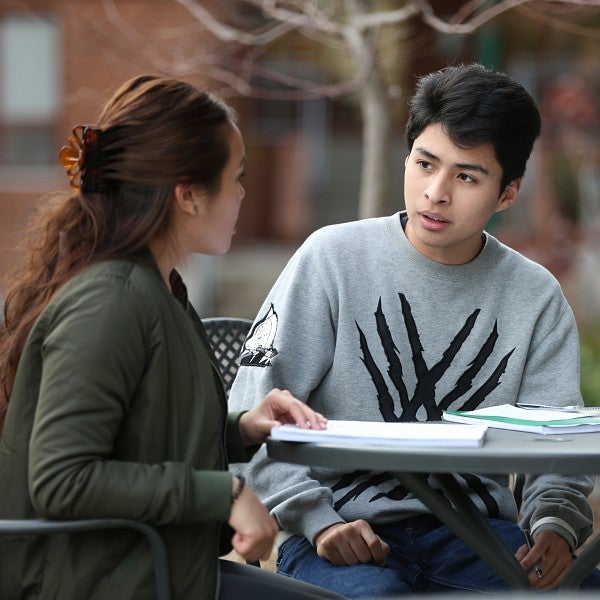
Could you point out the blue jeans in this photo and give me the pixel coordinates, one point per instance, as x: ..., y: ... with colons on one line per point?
x: 425, y: 557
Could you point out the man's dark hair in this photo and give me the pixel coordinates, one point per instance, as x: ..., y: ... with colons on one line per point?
x: 475, y: 106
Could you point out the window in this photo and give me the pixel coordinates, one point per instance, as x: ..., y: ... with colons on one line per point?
x: 29, y: 94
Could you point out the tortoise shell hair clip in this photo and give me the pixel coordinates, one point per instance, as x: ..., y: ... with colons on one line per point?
x: 81, y: 159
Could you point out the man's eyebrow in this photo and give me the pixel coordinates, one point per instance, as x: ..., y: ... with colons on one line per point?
x: 467, y: 166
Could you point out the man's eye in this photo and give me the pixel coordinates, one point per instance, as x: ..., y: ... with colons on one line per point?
x: 467, y: 178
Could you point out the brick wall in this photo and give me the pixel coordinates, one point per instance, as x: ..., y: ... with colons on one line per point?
x: 100, y: 51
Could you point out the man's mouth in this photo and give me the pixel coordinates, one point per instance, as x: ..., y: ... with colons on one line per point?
x: 433, y: 221
x: 434, y: 217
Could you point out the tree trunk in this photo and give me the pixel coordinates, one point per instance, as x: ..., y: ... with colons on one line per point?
x: 375, y: 187
x: 374, y: 199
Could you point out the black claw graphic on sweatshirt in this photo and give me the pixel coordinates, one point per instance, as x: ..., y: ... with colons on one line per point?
x: 394, y: 401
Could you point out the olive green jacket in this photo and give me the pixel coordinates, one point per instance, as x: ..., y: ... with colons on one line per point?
x: 117, y: 411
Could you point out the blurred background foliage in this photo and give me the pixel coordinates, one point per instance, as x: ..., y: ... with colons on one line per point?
x: 590, y: 365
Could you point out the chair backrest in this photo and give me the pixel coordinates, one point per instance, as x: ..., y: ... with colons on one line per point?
x: 20, y: 527
x: 227, y: 336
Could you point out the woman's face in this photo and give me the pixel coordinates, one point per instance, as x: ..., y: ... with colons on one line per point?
x: 214, y: 223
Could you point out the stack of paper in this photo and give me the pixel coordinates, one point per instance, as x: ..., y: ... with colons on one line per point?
x: 388, y: 434
x: 536, y: 420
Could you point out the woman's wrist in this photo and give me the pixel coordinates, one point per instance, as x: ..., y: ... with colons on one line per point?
x: 239, y: 488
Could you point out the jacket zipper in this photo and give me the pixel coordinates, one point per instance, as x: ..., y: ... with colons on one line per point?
x: 224, y: 464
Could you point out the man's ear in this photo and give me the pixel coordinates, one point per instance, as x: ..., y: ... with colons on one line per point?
x: 186, y: 198
x: 509, y: 195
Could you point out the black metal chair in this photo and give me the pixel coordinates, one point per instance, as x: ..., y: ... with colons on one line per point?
x: 21, y: 527
x: 517, y: 485
x: 227, y: 336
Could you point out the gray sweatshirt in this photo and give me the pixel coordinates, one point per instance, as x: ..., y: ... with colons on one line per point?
x: 362, y: 326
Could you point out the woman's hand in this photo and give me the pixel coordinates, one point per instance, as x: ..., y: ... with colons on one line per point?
x: 276, y: 408
x: 255, y: 529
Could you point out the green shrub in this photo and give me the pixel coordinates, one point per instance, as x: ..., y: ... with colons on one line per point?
x: 589, y: 343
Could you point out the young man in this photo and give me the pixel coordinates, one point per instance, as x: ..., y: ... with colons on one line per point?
x: 401, y: 317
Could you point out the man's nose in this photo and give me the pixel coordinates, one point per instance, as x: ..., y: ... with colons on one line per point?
x: 438, y: 189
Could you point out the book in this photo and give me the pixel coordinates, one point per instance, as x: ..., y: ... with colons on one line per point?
x: 532, y: 418
x: 584, y: 410
x: 388, y: 434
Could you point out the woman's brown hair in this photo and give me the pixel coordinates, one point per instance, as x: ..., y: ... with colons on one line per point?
x: 153, y: 133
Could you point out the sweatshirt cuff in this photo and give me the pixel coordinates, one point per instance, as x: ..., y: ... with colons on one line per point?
x: 558, y: 526
x: 314, y: 519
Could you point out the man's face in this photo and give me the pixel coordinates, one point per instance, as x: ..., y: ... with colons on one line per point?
x: 450, y: 193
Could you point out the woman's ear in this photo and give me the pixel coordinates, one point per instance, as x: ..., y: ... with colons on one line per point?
x: 509, y: 195
x: 186, y: 198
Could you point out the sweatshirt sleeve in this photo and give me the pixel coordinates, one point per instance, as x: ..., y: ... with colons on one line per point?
x: 95, y: 350
x: 551, y: 369
x: 290, y: 346
x: 557, y: 502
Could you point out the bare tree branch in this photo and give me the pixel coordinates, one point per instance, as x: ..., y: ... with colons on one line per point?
x: 308, y: 14
x: 394, y: 17
x: 229, y: 34
x: 488, y: 14
x: 241, y: 67
x: 332, y: 25
x: 557, y: 23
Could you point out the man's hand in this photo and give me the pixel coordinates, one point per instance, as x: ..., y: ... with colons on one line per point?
x: 553, y: 555
x: 350, y: 544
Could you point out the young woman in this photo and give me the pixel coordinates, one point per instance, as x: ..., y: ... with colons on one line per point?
x: 113, y: 406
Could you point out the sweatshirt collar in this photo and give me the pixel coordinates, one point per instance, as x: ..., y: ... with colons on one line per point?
x: 469, y: 270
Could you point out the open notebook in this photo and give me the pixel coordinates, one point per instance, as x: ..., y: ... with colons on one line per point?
x: 386, y: 434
